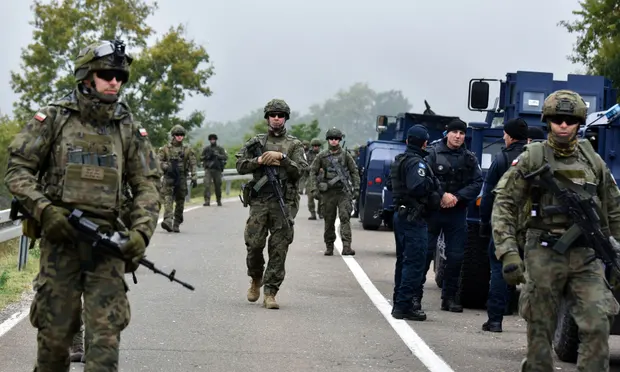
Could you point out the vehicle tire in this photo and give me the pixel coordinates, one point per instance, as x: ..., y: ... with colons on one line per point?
x: 566, y: 337
x: 438, y: 261
x: 475, y: 271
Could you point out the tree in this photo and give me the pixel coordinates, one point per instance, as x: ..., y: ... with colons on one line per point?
x: 305, y: 131
x: 161, y: 75
x: 598, y: 38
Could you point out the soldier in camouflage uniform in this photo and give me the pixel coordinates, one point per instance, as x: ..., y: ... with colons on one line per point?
x: 285, y: 154
x: 214, y: 158
x: 177, y: 161
x: 304, y: 177
x: 75, y: 153
x: 310, y: 156
x: 336, y: 193
x: 549, y: 275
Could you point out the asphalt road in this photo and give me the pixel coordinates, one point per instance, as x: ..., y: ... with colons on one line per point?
x: 333, y: 316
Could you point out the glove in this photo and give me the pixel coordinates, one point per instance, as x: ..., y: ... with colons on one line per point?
x: 512, y: 268
x: 194, y: 183
x: 485, y: 230
x: 270, y: 157
x: 55, y: 224
x: 315, y: 194
x: 133, y: 250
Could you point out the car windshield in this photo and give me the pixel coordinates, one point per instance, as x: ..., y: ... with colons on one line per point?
x: 384, y: 154
x: 490, y: 147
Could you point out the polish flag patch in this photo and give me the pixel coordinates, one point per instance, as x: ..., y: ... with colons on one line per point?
x: 515, y: 162
x: 143, y: 132
x: 40, y: 116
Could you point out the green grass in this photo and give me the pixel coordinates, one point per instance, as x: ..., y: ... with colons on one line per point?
x: 12, y: 282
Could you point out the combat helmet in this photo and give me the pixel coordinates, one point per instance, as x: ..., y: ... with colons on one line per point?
x: 334, y: 133
x: 277, y: 105
x: 306, y: 143
x: 315, y: 142
x: 177, y: 130
x: 100, y: 56
x: 564, y: 102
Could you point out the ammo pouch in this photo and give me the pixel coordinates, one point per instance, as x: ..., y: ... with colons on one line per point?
x: 31, y: 229
x: 246, y: 191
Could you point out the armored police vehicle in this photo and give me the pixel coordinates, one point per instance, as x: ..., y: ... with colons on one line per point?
x: 522, y: 95
x: 374, y: 204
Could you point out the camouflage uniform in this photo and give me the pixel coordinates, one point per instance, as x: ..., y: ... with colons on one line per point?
x: 310, y: 156
x: 177, y: 161
x: 550, y: 274
x: 304, y: 177
x: 265, y: 214
x: 76, y: 153
x: 214, y: 160
x: 327, y: 183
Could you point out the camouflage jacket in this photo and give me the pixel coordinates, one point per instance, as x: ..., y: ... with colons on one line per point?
x: 214, y: 157
x: 59, y: 159
x: 175, y: 151
x: 322, y: 162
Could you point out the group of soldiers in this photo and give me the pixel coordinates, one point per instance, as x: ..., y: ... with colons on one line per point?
x: 85, y: 151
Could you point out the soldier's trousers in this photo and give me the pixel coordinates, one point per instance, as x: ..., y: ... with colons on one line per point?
x: 267, y: 219
x: 57, y: 306
x: 337, y: 202
x: 174, y: 198
x: 453, y: 223
x: 213, y: 176
x: 312, y: 208
x: 552, y: 276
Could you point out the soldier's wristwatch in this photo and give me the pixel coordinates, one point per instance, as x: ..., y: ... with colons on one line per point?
x: 283, y: 156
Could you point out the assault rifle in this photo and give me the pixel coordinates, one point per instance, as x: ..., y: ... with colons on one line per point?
x: 341, y: 176
x: 275, y: 183
x: 584, y: 213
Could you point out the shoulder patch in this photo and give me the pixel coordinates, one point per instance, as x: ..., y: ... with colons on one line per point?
x: 516, y: 161
x: 421, y: 165
x: 142, y: 132
x: 421, y: 172
x: 39, y: 116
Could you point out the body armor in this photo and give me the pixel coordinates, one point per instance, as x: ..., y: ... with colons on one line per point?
x: 271, y: 143
x: 453, y: 179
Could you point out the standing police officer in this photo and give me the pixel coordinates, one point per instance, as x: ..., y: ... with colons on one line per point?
x: 415, y: 192
x: 515, y: 137
x: 461, y: 178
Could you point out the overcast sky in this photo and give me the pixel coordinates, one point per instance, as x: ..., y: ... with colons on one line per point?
x: 305, y: 51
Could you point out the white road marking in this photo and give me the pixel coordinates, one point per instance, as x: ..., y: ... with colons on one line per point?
x: 418, y: 347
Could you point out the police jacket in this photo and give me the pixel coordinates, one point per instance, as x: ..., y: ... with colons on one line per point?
x: 501, y: 163
x: 457, y: 170
x: 412, y: 180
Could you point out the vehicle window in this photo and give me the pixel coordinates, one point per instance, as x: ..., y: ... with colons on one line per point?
x: 384, y: 154
x: 490, y: 147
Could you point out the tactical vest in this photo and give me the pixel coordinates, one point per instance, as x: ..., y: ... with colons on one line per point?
x: 400, y: 194
x: 178, y: 152
x: 330, y: 173
x: 310, y: 156
x: 585, y: 170
x: 454, y: 179
x: 271, y: 143
x: 88, y: 163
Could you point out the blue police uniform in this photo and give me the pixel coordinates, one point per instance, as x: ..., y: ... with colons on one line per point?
x: 459, y: 174
x: 414, y: 190
x: 499, y: 292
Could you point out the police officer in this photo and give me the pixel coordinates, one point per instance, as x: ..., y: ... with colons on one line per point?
x: 515, y: 137
x: 461, y: 178
x: 415, y: 192
x: 535, y: 134
x: 551, y: 274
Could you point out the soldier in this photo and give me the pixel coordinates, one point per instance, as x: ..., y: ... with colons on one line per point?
x: 214, y: 158
x: 304, y: 177
x: 335, y: 179
x: 177, y: 162
x: 285, y: 155
x: 551, y: 275
x: 74, y: 154
x: 461, y: 178
x: 415, y: 194
x: 310, y: 156
x: 515, y: 138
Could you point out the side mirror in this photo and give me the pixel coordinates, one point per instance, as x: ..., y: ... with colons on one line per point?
x: 382, y: 123
x: 478, y: 95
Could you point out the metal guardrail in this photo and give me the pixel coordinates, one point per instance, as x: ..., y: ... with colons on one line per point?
x: 13, y: 229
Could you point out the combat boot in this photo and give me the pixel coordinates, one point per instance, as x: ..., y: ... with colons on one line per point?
x: 219, y: 202
x: 347, y: 251
x: 312, y: 216
x: 490, y: 326
x: 77, y: 348
x: 450, y: 304
x: 329, y: 249
x: 254, y: 290
x: 417, y: 304
x: 175, y: 227
x: 270, y: 301
x: 166, y: 225
x: 206, y: 204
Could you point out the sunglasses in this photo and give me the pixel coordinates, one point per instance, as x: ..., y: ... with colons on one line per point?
x: 277, y: 115
x: 569, y: 120
x: 108, y: 75
x: 334, y: 138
